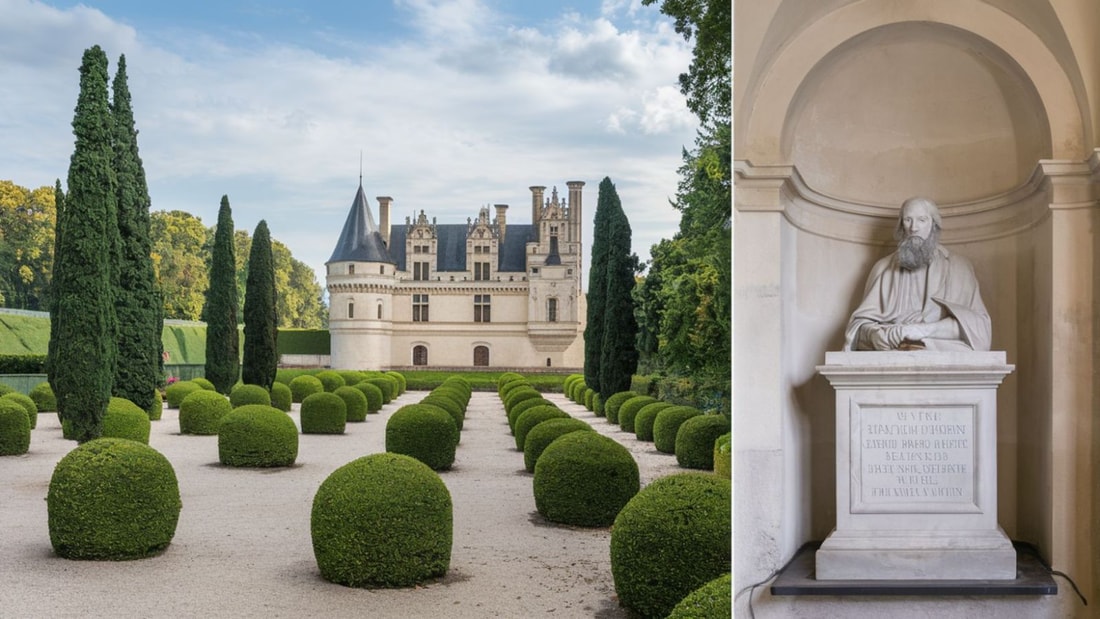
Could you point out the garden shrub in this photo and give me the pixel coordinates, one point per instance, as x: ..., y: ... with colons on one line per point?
x: 156, y: 406
x: 305, y: 385
x: 15, y: 429
x: 124, y: 419
x: 629, y: 410
x: 387, y: 385
x: 374, y: 396
x: 43, y: 398
x: 399, y: 378
x: 611, y: 407
x: 112, y: 499
x: 597, y: 403
x: 27, y: 403
x: 511, y: 386
x: 567, y: 385
x: 576, y: 387
x: 713, y: 600
x: 506, y: 378
x: 524, y: 406
x: 249, y: 394
x: 354, y: 401
x: 5, y: 389
x: 584, y: 479
x: 589, y: 398
x: 669, y: 540
x: 176, y: 392
x: 453, y: 393
x: 695, y: 441
x: 330, y: 379
x: 667, y: 424
x: 533, y: 417
x: 723, y: 467
x: 458, y: 386
x: 323, y: 413
x: 257, y: 435
x: 540, y: 437
x: 204, y: 383
x: 383, y: 520
x: 519, y: 395
x: 453, y: 408
x: 647, y: 415
x: 424, y: 432
x: 202, y: 411
x: 281, y: 396
x: 351, y: 377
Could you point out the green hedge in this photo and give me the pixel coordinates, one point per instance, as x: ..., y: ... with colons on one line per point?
x: 611, y: 407
x: 202, y: 411
x: 281, y: 396
x: 584, y: 479
x: 373, y: 394
x: 176, y: 392
x: 524, y: 406
x: 242, y: 395
x: 205, y: 384
x: 723, y: 466
x: 331, y: 380
x: 669, y: 540
x: 324, y: 413
x: 695, y: 441
x: 533, y: 417
x: 713, y: 600
x: 454, y: 408
x: 257, y: 435
x: 124, y: 419
x: 540, y: 437
x: 304, y: 386
x: 388, y: 385
x: 384, y: 520
x: 27, y: 403
x: 15, y: 429
x: 424, y: 432
x: 304, y: 342
x: 667, y: 425
x: 629, y: 410
x: 43, y: 397
x: 22, y: 364
x: 646, y: 417
x: 113, y: 499
x: 355, y: 403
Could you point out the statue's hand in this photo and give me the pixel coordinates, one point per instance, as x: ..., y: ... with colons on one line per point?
x: 883, y: 336
x: 914, y: 332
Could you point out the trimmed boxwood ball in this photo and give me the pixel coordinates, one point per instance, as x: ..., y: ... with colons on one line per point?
x: 324, y: 413
x: 723, y: 467
x: 589, y: 399
x: 519, y: 395
x: 584, y: 479
x: 124, y: 419
x: 305, y: 385
x: 202, y: 411
x: 453, y: 408
x: 508, y: 377
x: 330, y: 379
x: 540, y: 437
x: 156, y: 407
x: 611, y: 407
x: 6, y: 389
x: 667, y: 424
x: 354, y: 401
x: 257, y: 435
x: 669, y: 540
x: 713, y: 600
x: 113, y: 499
x: 374, y: 396
x: 644, y: 420
x: 629, y: 410
x: 43, y: 397
x: 509, y: 387
x: 27, y: 403
x: 351, y: 377
x: 249, y: 394
x: 533, y: 417
x: 205, y: 384
x: 399, y: 378
x: 695, y: 441
x: 387, y: 385
x: 456, y: 390
x: 524, y: 406
x: 597, y: 403
x: 424, y: 432
x: 15, y: 429
x: 281, y: 397
x: 176, y: 392
x: 383, y: 520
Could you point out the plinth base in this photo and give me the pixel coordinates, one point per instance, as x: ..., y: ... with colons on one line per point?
x: 917, y: 555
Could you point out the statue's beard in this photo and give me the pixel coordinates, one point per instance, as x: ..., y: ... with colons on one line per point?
x: 916, y: 253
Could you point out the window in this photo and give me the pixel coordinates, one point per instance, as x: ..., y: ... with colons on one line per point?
x: 379, y: 311
x: 420, y: 271
x: 551, y: 310
x: 481, y: 308
x: 351, y: 269
x: 351, y: 309
x: 421, y: 249
x: 481, y: 271
x: 420, y: 355
x: 381, y: 269
x: 481, y: 355
x: 420, y: 308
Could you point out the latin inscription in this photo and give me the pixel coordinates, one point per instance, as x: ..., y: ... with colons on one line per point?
x: 916, y: 455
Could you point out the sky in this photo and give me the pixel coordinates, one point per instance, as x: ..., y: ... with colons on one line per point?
x: 450, y: 105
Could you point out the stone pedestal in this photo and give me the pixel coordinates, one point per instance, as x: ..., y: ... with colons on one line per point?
x: 916, y: 463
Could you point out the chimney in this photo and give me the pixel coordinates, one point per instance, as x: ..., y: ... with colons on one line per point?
x: 536, y: 204
x: 575, y: 212
x: 502, y: 220
x: 384, y: 218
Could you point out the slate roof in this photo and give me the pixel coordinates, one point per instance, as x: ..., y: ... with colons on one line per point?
x: 451, y: 247
x: 360, y: 240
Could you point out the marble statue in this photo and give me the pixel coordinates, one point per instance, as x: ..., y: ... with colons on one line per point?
x: 922, y: 296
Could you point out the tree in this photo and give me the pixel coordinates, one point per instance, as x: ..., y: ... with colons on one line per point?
x: 178, y: 258
x: 137, y: 300
x: 51, y: 347
x: 85, y: 300
x: 220, y: 311
x: 261, y: 357
x: 618, y: 353
x: 607, y: 202
x: 27, y: 219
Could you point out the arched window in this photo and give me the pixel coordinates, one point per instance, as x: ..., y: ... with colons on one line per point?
x: 481, y: 355
x: 380, y: 311
x: 351, y: 309
x: 552, y: 310
x: 420, y: 355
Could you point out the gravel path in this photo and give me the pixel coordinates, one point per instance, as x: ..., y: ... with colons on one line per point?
x: 242, y: 547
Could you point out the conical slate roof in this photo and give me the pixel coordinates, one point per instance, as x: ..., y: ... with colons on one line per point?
x: 360, y: 241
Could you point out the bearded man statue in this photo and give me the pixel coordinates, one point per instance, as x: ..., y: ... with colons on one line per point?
x: 922, y: 296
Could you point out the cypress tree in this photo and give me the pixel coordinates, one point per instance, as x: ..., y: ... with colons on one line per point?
x: 618, y: 352
x: 137, y: 301
x: 261, y: 357
x: 84, y: 313
x: 597, y: 284
x: 51, y: 350
x: 220, y: 311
